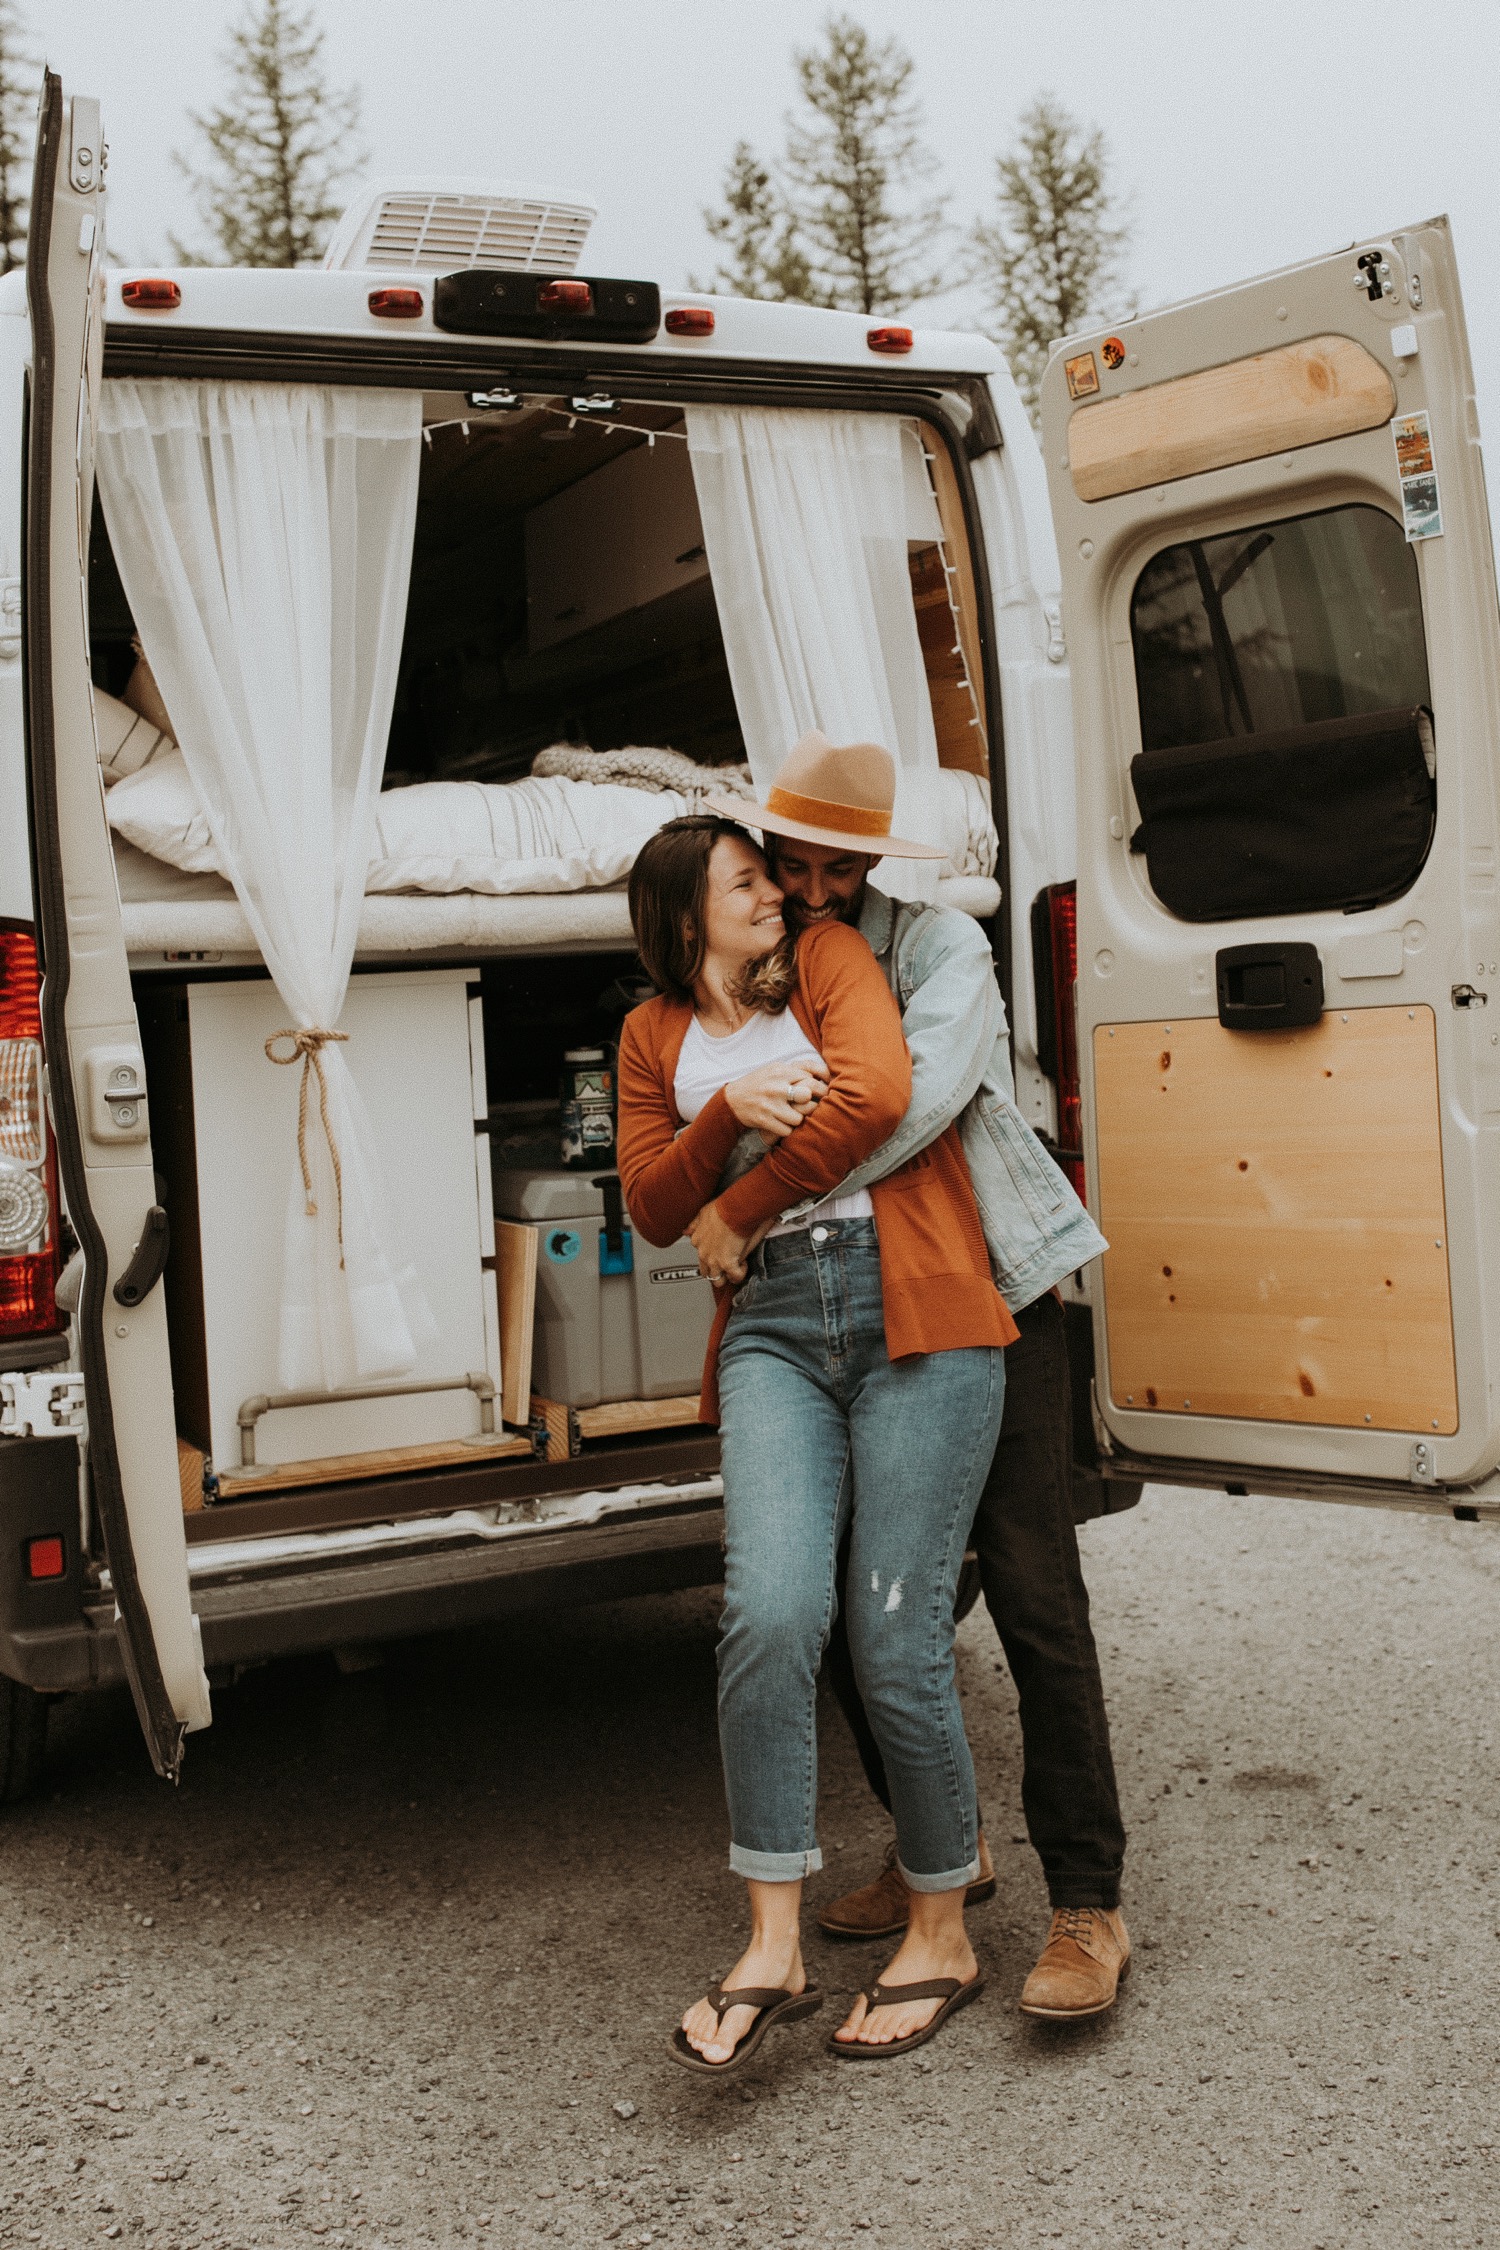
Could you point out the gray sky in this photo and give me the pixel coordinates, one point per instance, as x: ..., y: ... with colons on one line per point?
x: 1248, y: 133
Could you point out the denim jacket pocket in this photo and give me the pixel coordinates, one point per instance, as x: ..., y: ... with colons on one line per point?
x: 1036, y: 1179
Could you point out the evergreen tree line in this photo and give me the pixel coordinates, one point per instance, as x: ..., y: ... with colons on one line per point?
x: 849, y: 215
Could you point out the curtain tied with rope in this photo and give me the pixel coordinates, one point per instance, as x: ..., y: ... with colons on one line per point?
x: 263, y: 535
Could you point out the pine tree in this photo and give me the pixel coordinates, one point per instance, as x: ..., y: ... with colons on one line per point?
x: 1050, y: 261
x: 279, y: 147
x: 757, y: 234
x: 854, y: 169
x: 18, y: 98
x: 841, y: 220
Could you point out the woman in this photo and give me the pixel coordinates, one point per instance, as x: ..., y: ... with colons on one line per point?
x: 857, y: 1376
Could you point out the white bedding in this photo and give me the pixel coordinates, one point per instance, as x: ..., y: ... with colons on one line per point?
x: 548, y: 833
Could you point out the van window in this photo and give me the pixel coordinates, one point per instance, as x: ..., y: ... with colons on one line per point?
x: 1286, y: 761
x: 1280, y: 625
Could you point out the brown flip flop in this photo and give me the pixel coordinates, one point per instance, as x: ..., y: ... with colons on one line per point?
x: 953, y: 1994
x: 776, y: 2005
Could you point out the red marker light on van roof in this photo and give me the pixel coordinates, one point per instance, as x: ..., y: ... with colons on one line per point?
x: 689, y: 320
x: 396, y: 304
x: 889, y: 339
x: 564, y: 296
x: 159, y: 295
x: 46, y: 1558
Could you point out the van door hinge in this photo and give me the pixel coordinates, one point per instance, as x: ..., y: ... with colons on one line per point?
x: 1057, y: 646
x: 41, y: 1406
x: 1422, y: 1467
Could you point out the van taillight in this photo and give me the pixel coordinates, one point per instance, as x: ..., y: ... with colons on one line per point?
x: 29, y: 1233
x: 1054, y: 939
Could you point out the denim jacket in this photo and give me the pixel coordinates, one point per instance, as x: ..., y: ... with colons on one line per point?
x: 939, y: 966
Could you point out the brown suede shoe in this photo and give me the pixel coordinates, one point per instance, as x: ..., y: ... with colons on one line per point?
x: 1086, y: 1954
x: 881, y: 1908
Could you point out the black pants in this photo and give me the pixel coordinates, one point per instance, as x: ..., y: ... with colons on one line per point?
x: 1034, y: 1590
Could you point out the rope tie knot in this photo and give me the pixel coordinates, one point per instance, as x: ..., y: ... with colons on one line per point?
x: 308, y: 1045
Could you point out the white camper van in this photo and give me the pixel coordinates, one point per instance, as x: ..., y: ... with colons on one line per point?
x: 362, y: 621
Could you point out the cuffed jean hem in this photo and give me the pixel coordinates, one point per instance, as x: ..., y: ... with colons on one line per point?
x: 960, y: 1879
x: 774, y: 1867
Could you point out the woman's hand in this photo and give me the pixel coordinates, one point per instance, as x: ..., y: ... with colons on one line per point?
x: 775, y: 1098
x: 721, y: 1252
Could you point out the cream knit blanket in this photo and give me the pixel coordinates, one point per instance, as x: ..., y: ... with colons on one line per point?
x: 637, y: 768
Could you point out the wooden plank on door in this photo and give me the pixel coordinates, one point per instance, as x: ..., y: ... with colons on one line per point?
x: 1274, y: 1206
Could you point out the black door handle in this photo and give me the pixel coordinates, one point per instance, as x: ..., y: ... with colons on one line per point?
x: 1269, y: 987
x: 147, y: 1260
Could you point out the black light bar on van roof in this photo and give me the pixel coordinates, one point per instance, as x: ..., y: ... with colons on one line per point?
x: 553, y: 307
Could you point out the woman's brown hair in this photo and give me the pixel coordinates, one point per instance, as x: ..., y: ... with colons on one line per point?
x: 668, y: 901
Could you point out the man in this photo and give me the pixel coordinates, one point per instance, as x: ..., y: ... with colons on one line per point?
x: 940, y: 969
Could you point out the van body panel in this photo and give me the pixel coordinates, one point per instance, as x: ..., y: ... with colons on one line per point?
x: 92, y: 1036
x: 1204, y: 611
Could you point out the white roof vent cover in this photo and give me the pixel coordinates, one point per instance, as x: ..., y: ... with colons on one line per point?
x: 439, y: 226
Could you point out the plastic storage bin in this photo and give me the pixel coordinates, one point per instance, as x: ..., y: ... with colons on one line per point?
x: 615, y: 1318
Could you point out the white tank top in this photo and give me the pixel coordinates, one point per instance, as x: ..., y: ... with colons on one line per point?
x: 706, y: 1064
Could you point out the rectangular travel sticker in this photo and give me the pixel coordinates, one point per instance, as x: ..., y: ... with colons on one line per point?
x: 1421, y: 503
x: 1082, y: 374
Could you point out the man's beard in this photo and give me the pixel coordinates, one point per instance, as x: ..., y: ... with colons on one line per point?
x: 843, y: 910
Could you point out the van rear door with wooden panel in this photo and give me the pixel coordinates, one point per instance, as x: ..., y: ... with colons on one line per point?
x: 1280, y: 600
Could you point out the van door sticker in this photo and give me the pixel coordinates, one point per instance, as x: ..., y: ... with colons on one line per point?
x: 1421, y: 505
x: 1082, y: 374
x: 562, y: 1245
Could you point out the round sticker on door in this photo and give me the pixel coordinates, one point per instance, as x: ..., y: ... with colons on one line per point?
x: 562, y: 1245
x: 1112, y: 352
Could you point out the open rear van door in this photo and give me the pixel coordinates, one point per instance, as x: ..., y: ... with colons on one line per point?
x: 96, y: 1071
x: 1280, y: 600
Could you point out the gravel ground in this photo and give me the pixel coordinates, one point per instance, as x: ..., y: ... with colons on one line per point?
x: 397, y: 1964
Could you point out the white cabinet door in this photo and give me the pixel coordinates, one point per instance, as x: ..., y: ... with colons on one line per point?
x: 409, y: 1054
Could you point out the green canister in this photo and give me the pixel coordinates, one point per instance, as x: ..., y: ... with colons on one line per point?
x: 588, y: 1109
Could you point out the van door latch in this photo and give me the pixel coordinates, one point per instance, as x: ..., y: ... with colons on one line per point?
x: 1269, y: 987
x: 1468, y: 996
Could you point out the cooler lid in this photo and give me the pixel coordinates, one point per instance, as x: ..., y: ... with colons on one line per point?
x: 548, y: 1195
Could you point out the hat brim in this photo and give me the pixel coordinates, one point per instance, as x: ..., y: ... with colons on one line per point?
x: 751, y: 815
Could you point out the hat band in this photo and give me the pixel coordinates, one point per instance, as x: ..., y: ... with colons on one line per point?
x: 826, y: 812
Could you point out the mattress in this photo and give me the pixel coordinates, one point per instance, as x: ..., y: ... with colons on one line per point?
x: 171, y: 919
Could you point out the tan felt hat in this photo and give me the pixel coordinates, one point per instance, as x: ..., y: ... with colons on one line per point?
x: 839, y: 797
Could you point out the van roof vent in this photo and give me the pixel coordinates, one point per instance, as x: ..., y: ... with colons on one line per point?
x: 439, y: 226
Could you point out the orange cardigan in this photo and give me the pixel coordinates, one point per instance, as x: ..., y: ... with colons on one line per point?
x: 936, y: 1285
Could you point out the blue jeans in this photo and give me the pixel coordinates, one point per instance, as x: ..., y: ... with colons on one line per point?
x: 823, y: 1433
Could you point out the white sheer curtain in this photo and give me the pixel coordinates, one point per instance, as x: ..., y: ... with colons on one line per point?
x: 805, y: 519
x: 263, y: 533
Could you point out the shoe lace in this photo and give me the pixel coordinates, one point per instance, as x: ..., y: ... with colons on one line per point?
x: 1076, y: 1922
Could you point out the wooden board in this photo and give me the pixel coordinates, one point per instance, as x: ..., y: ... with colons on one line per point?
x: 1274, y: 1206
x: 624, y: 1414
x: 566, y: 1427
x: 390, y: 1461
x: 972, y: 755
x: 1273, y: 402
x: 516, y: 1249
x: 190, y: 1461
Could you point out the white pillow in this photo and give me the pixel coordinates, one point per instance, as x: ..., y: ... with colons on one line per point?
x: 126, y: 740
x: 156, y: 808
